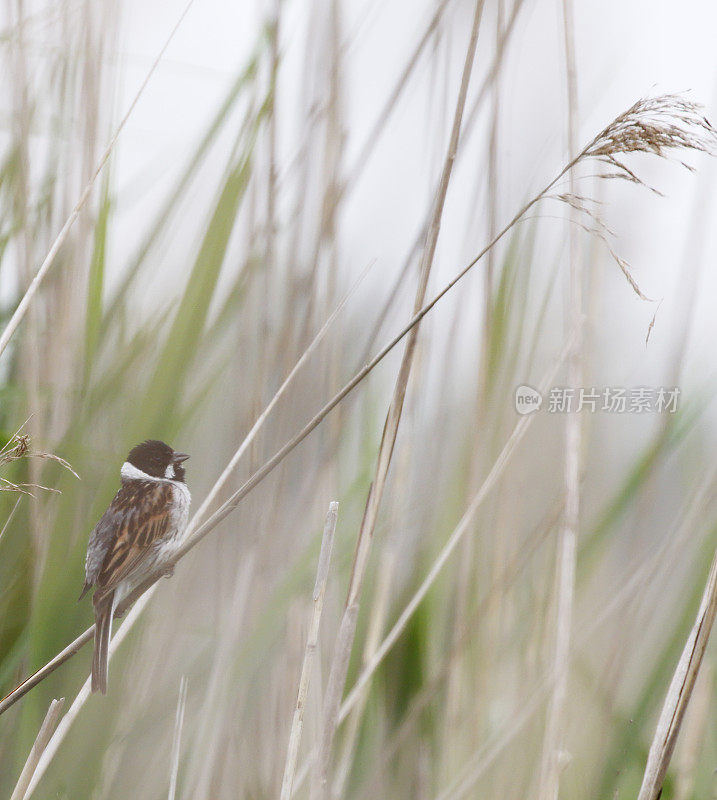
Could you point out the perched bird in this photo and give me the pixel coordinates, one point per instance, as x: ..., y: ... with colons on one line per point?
x: 140, y: 530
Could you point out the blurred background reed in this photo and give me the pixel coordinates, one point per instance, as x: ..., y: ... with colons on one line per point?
x: 280, y: 151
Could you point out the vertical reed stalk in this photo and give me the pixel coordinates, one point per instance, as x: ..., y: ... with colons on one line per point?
x: 567, y: 544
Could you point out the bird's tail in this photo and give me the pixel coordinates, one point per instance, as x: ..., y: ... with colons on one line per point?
x: 104, y: 611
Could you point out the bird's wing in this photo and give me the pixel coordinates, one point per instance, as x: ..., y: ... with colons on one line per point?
x: 103, y: 536
x: 139, y: 515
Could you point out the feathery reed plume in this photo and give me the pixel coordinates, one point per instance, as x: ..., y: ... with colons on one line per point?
x: 656, y: 125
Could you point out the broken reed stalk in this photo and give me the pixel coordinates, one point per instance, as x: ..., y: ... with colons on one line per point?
x: 549, y: 786
x: 347, y: 628
x: 649, y: 116
x: 679, y: 692
x: 61, y: 237
x: 43, y: 737
x: 312, y: 640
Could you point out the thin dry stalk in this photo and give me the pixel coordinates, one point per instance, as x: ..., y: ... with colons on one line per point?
x: 347, y: 629
x: 322, y: 575
x: 31, y: 291
x: 679, y: 692
x: 697, y: 130
x: 458, y: 533
x: 567, y: 544
x: 177, y: 739
x: 471, y: 119
x: 358, y: 690
x: 11, y: 515
x: 261, y: 419
x: 43, y: 736
x: 384, y: 115
x: 492, y: 196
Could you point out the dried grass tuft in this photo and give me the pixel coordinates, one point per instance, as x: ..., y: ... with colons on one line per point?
x: 655, y: 125
x: 19, y: 447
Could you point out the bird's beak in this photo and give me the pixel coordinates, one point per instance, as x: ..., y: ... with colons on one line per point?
x: 179, y: 457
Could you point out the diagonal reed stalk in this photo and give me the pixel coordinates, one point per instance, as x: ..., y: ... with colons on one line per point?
x: 61, y: 237
x: 357, y: 691
x: 347, y: 628
x: 312, y: 640
x: 679, y: 692
x: 497, y: 470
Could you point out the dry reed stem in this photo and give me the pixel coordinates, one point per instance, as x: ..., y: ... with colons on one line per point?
x: 177, y: 738
x: 61, y: 237
x: 471, y: 118
x: 458, y: 533
x: 493, y: 193
x: 312, y: 640
x: 233, y: 501
x: 261, y: 419
x: 549, y: 786
x: 43, y: 736
x: 679, y: 692
x: 358, y: 690
x: 347, y: 629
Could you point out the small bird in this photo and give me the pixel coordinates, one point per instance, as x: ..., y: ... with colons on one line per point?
x: 140, y: 530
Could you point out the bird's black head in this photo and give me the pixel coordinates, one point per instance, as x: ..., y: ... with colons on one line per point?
x: 158, y: 460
